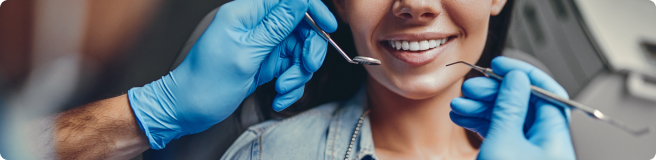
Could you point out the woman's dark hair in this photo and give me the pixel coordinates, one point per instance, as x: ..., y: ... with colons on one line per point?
x: 339, y: 80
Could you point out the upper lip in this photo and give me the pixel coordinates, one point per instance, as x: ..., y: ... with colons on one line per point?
x: 416, y: 36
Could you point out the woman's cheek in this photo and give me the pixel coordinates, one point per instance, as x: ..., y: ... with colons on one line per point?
x: 471, y: 15
x: 364, y: 18
x: 475, y: 28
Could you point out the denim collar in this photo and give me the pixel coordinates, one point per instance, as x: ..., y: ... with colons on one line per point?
x: 341, y: 130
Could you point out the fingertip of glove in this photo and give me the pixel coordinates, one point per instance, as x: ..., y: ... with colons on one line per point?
x: 499, y: 64
x: 481, y: 88
x: 454, y: 116
x: 293, y: 78
x: 502, y: 65
x: 458, y: 119
x: 457, y: 104
x: 288, y: 80
x: 280, y: 102
x: 284, y: 100
x: 280, y: 89
x: 479, y: 81
x: 283, y: 87
x: 278, y: 107
x: 456, y: 101
x: 322, y: 15
x: 331, y: 24
x: 500, y: 60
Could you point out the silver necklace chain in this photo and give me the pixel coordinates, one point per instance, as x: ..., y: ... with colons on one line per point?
x: 355, y: 133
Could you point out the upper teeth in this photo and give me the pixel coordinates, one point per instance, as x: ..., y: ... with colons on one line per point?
x: 417, y: 45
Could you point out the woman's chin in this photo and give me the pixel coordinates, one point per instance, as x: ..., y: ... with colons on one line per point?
x: 427, y: 86
x: 420, y: 86
x: 418, y: 92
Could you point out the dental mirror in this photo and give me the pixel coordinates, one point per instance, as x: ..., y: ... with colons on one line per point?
x: 356, y: 60
x: 366, y: 60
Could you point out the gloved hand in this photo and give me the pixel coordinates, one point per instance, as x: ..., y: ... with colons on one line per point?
x: 248, y: 43
x: 514, y: 123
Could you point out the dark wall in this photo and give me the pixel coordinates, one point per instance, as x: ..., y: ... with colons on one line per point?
x: 152, y: 56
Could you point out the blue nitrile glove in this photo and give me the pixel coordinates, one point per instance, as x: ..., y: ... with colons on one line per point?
x: 248, y: 43
x: 515, y: 124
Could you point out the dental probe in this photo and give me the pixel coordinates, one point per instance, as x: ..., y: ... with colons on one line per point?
x: 563, y: 102
x: 356, y: 60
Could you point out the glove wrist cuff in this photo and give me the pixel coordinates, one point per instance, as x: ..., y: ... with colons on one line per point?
x: 150, y: 104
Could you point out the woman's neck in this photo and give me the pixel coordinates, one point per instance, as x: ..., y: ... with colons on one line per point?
x: 405, y: 128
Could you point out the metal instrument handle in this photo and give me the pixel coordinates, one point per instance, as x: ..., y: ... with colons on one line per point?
x: 327, y: 37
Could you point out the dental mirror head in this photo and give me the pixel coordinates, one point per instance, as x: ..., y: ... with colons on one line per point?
x: 366, y: 60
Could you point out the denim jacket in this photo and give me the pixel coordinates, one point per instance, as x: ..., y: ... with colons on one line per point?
x: 320, y: 133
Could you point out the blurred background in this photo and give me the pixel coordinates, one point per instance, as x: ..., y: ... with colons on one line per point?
x: 59, y: 54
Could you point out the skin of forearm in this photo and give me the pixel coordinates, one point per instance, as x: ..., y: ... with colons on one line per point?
x: 105, y: 129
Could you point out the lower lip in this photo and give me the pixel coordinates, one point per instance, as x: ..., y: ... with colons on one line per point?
x: 418, y: 58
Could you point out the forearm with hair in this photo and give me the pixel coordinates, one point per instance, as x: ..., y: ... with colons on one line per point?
x: 105, y: 129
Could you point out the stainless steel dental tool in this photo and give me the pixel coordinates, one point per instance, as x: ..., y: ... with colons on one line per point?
x: 356, y: 60
x: 563, y: 102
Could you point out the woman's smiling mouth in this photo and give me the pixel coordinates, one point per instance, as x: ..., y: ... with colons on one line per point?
x: 417, y: 52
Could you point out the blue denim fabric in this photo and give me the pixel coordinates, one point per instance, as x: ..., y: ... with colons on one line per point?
x: 321, y: 133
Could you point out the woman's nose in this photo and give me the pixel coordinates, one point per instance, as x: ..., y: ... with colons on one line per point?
x: 417, y: 10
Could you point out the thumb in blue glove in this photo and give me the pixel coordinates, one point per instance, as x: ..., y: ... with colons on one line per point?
x: 515, y: 124
x: 248, y: 43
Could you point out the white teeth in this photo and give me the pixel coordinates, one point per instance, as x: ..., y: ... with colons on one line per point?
x: 414, y: 45
x: 432, y: 43
x: 405, y: 45
x: 423, y: 45
x: 417, y: 45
